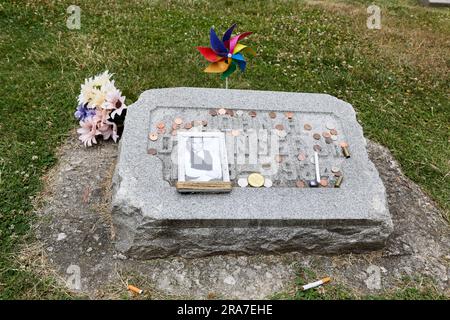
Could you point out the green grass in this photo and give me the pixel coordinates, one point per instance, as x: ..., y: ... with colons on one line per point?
x: 390, y: 76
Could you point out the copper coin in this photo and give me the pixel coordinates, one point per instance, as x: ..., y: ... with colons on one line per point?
x: 221, y: 111
x: 161, y: 131
x: 213, y: 112
x: 307, y: 126
x: 174, y: 132
x: 272, y: 115
x: 289, y: 115
x: 188, y: 125
x: 278, y: 158
x: 178, y: 120
x: 326, y: 134
x: 160, y: 125
x: 152, y: 151
x: 235, y: 133
x: 252, y: 114
x: 317, y: 148
x: 334, y: 132
x: 175, y: 126
x: 153, y: 136
x: 301, y: 156
x: 337, y: 174
x: 279, y: 127
x: 300, y: 184
x: 329, y: 140
x: 335, y: 169
x: 230, y: 113
x: 343, y: 144
x: 204, y: 123
x: 324, y: 182
x: 316, y: 136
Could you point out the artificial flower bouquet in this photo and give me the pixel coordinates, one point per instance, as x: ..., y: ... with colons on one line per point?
x: 101, y: 110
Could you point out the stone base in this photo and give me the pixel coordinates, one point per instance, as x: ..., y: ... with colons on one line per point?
x: 151, y: 219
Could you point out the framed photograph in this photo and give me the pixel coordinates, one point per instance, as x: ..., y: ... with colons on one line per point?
x: 202, y: 162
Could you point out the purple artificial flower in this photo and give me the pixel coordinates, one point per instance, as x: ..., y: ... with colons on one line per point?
x: 83, y: 112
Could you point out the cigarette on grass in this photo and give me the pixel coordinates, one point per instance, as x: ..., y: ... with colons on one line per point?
x: 316, y: 283
x: 134, y: 289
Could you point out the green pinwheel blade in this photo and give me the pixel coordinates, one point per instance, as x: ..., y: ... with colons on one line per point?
x: 229, y: 71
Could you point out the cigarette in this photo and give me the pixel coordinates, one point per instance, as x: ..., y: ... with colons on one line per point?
x: 316, y: 284
x: 316, y: 163
x: 134, y: 289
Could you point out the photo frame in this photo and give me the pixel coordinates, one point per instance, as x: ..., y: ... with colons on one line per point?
x: 202, y: 162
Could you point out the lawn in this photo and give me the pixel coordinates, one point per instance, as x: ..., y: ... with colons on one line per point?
x: 397, y: 78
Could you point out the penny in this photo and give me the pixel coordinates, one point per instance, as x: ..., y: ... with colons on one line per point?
x: 330, y: 125
x: 279, y: 127
x: 222, y: 111
x: 316, y: 136
x: 188, y: 125
x: 255, y: 180
x: 324, y: 182
x: 160, y: 125
x: 334, y: 132
x: 268, y: 183
x: 307, y: 126
x: 335, y: 169
x: 178, y: 120
x: 326, y: 134
x: 204, y: 123
x: 317, y: 148
x: 242, y: 182
x: 289, y: 115
x: 328, y: 140
x: 175, y: 126
x: 337, y: 174
x: 152, y: 151
x: 252, y: 114
x: 301, y: 156
x: 230, y: 113
x: 300, y: 184
x: 213, y: 112
x: 272, y: 115
x: 153, y: 136
x: 235, y: 133
x: 161, y: 131
x: 279, y: 158
x: 343, y: 144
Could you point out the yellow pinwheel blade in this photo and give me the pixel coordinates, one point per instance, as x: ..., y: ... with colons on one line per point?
x: 218, y: 67
x: 240, y: 47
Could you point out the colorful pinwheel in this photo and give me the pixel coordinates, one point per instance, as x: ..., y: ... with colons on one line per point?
x: 225, y: 54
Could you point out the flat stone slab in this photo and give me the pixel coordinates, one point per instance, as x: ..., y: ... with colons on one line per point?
x: 151, y: 219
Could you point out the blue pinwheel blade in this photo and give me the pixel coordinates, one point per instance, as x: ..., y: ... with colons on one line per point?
x: 238, y: 56
x: 227, y: 34
x: 216, y: 44
x: 242, y: 64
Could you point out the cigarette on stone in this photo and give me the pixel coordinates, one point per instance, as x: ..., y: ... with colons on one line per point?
x: 316, y: 283
x: 316, y: 163
x: 134, y: 289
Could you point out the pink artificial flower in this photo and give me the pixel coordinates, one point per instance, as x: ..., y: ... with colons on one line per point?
x: 107, y: 130
x: 88, y: 131
x: 114, y: 101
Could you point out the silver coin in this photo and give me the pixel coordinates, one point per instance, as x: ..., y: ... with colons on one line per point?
x: 334, y: 138
x: 330, y: 125
x: 242, y: 182
x: 267, y: 183
x: 335, y: 169
x: 281, y: 133
x: 239, y: 113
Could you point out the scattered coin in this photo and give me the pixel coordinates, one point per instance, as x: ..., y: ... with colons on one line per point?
x: 300, y: 184
x: 313, y: 183
x: 272, y: 115
x: 188, y: 125
x: 279, y: 127
x: 334, y: 138
x: 160, y: 125
x: 174, y: 132
x: 330, y: 125
x: 252, y: 114
x: 222, y: 111
x: 178, y: 121
x: 335, y: 169
x: 153, y: 136
x: 235, y: 133
x: 326, y: 134
x: 337, y: 174
x: 204, y: 123
x: 230, y: 113
x: 328, y: 140
x: 343, y: 144
x: 334, y: 132
x: 316, y: 136
x: 317, y: 148
x: 242, y: 182
x: 152, y: 151
x: 213, y: 112
x: 255, y: 180
x: 301, y: 156
x: 239, y: 113
x: 268, y: 183
x: 324, y: 182
x: 281, y: 133
x: 307, y: 126
x: 175, y: 126
x: 289, y: 115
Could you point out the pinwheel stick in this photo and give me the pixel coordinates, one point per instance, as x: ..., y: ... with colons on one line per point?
x: 226, y: 83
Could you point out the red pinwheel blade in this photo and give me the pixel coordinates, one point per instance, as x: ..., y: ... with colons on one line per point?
x: 209, y: 54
